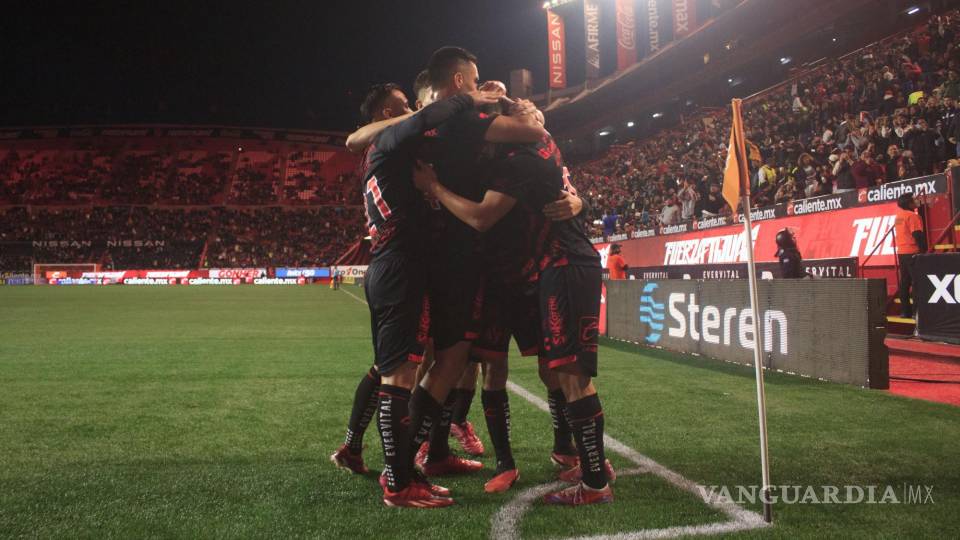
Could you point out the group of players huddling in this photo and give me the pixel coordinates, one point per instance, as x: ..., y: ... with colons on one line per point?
x: 474, y: 240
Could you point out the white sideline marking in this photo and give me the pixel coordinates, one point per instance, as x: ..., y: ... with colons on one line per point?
x: 505, y: 524
x: 355, y: 297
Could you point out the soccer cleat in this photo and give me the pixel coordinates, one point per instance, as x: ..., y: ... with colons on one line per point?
x: 422, y: 453
x: 579, y: 495
x: 418, y: 478
x: 574, y: 475
x: 450, y: 465
x: 467, y: 438
x: 345, y: 459
x: 502, y: 481
x: 564, y: 461
x: 414, y: 496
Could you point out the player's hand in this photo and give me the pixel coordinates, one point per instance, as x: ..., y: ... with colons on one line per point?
x: 481, y: 98
x: 424, y: 177
x: 495, y: 87
x: 564, y: 208
x: 522, y: 107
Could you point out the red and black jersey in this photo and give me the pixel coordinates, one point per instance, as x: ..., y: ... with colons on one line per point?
x: 534, y: 175
x: 456, y: 149
x: 396, y: 212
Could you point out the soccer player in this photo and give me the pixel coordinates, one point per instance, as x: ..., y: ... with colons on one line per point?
x: 366, y: 397
x: 569, y: 279
x: 395, y: 279
x: 455, y: 269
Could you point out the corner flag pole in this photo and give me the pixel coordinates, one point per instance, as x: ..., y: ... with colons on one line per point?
x: 736, y: 188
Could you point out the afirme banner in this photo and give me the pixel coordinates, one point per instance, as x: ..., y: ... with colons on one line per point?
x: 936, y: 296
x: 830, y: 329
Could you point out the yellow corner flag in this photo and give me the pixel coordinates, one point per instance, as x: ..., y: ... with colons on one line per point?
x: 736, y: 178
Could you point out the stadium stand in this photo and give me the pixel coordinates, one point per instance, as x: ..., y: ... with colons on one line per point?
x: 149, y: 197
x: 883, y: 113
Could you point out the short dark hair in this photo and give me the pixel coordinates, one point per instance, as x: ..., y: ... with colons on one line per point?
x: 445, y: 61
x: 375, y: 98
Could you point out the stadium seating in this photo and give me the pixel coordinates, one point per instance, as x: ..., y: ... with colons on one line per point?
x: 135, y: 202
x: 865, y: 102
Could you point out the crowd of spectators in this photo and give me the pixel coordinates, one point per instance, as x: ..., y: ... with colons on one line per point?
x: 126, y: 237
x: 277, y: 236
x: 151, y: 204
x: 885, y: 113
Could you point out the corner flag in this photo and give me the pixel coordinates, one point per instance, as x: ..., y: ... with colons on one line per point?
x: 736, y: 188
x: 736, y: 175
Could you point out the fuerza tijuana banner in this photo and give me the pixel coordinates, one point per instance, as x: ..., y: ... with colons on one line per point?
x: 855, y: 232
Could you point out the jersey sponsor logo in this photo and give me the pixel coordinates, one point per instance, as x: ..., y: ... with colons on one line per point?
x: 555, y: 323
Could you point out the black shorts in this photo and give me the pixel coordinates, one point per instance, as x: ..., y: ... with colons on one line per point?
x: 570, y: 316
x: 399, y: 311
x: 506, y: 313
x: 456, y: 300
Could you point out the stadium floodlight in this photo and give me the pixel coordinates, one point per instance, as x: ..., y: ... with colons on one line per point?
x: 657, y: 114
x: 784, y: 60
x: 913, y: 10
x: 603, y: 133
x: 630, y: 123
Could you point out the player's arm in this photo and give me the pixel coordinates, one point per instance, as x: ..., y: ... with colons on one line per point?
x: 360, y: 139
x: 479, y: 215
x: 566, y: 207
x: 515, y: 129
x: 393, y: 132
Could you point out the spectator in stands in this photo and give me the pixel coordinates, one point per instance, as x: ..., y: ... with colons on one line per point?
x: 843, y: 171
x: 670, y: 215
x: 688, y: 199
x: 714, y: 203
x: 920, y: 140
x: 866, y: 172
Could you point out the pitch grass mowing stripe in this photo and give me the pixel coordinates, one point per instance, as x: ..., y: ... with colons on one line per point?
x: 506, y: 522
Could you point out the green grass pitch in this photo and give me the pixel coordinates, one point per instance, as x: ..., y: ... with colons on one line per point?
x: 188, y: 412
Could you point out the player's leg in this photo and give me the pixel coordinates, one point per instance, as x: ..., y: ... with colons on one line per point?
x: 395, y: 295
x: 570, y: 306
x: 564, y: 452
x: 460, y: 427
x: 365, y: 401
x: 456, y: 304
x: 496, y: 411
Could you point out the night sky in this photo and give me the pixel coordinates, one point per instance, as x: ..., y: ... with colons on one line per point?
x: 273, y: 64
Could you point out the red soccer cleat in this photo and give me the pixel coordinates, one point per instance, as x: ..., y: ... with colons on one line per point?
x: 574, y: 475
x: 418, y: 478
x: 564, y: 461
x: 421, y: 456
x: 345, y: 459
x: 502, y: 481
x: 467, y: 438
x: 451, y: 465
x: 579, y: 495
x: 414, y: 496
